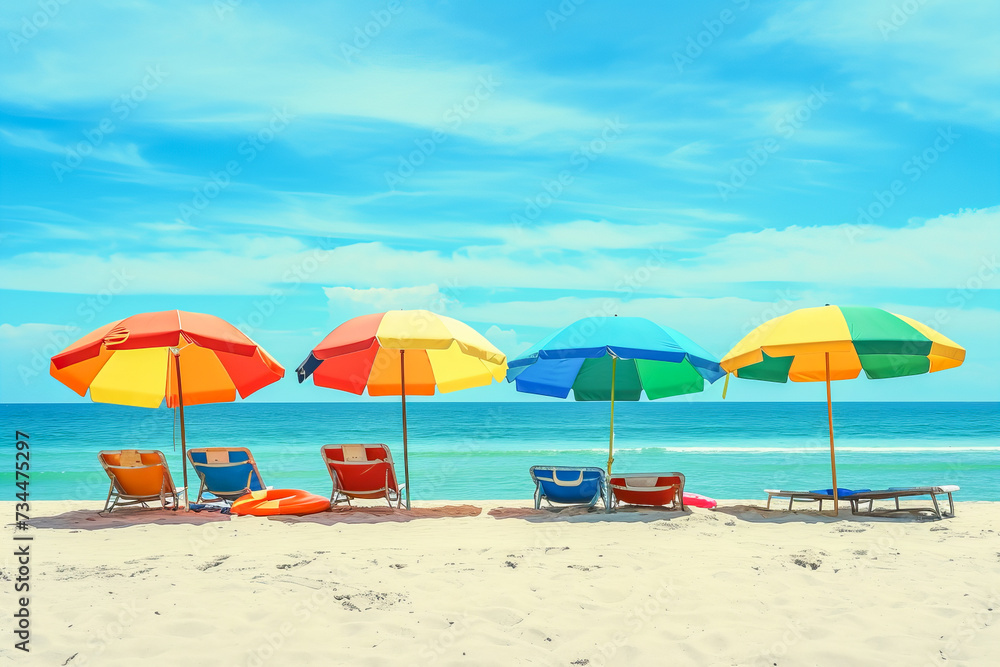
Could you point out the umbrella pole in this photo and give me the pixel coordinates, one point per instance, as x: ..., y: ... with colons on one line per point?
x: 180, y: 403
x: 406, y: 458
x: 611, y: 440
x: 833, y: 458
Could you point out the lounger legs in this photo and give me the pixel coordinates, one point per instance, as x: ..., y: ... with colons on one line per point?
x: 110, y: 504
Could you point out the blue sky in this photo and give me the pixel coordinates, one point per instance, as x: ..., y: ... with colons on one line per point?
x: 516, y: 165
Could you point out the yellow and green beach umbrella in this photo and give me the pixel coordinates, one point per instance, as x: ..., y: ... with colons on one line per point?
x: 838, y: 343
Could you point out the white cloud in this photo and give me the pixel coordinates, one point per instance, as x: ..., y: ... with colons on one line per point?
x: 506, y: 340
x: 32, y: 332
x: 589, y: 235
x: 938, y: 253
x: 125, y: 154
x: 205, y: 85
x: 347, y: 302
x: 936, y: 58
x: 714, y: 323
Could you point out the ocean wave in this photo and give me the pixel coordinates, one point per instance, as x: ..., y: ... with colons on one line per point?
x: 712, y: 450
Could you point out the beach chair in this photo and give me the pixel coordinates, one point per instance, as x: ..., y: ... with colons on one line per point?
x: 138, y: 477
x: 362, y: 471
x: 818, y: 495
x: 661, y: 488
x: 895, y: 493
x: 567, y: 485
x: 225, y: 472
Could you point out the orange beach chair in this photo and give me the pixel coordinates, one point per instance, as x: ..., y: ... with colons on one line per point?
x: 138, y: 477
x: 661, y: 488
x: 362, y: 471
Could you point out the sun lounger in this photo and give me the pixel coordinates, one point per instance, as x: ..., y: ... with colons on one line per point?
x: 362, y: 471
x: 138, y: 477
x: 566, y: 485
x: 904, y: 492
x: 812, y: 496
x: 225, y: 472
x: 659, y: 488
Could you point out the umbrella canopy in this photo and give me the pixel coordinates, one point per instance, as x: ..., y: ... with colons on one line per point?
x: 400, y: 353
x: 180, y: 357
x: 614, y: 358
x: 838, y: 343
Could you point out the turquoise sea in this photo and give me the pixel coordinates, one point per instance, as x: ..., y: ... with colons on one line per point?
x: 464, y: 451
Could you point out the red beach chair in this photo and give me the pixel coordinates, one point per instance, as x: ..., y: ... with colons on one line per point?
x: 652, y: 488
x: 362, y: 471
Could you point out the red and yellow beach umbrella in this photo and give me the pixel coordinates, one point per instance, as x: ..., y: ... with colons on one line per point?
x: 838, y: 343
x: 400, y: 353
x: 174, y: 356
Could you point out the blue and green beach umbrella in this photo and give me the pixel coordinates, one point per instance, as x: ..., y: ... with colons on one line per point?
x: 614, y: 358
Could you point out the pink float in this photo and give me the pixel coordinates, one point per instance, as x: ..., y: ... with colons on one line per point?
x: 695, y: 500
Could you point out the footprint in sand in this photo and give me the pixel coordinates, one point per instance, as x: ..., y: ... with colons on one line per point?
x: 214, y: 563
x: 288, y: 566
x: 813, y: 565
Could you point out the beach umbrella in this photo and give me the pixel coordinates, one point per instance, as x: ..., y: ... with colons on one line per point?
x: 183, y: 358
x: 403, y: 353
x: 837, y: 343
x: 614, y: 358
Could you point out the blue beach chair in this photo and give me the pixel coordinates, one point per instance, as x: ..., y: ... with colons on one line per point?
x: 225, y: 472
x: 818, y: 495
x: 568, y: 485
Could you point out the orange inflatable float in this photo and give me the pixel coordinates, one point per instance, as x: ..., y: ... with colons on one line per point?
x: 279, y: 501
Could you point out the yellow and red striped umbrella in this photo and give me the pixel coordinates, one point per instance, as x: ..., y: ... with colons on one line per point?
x: 129, y: 362
x: 400, y: 353
x: 174, y: 356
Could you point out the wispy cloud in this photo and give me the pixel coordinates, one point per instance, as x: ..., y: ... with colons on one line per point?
x: 936, y: 59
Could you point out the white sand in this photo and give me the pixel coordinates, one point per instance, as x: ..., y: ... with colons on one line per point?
x: 737, y: 586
